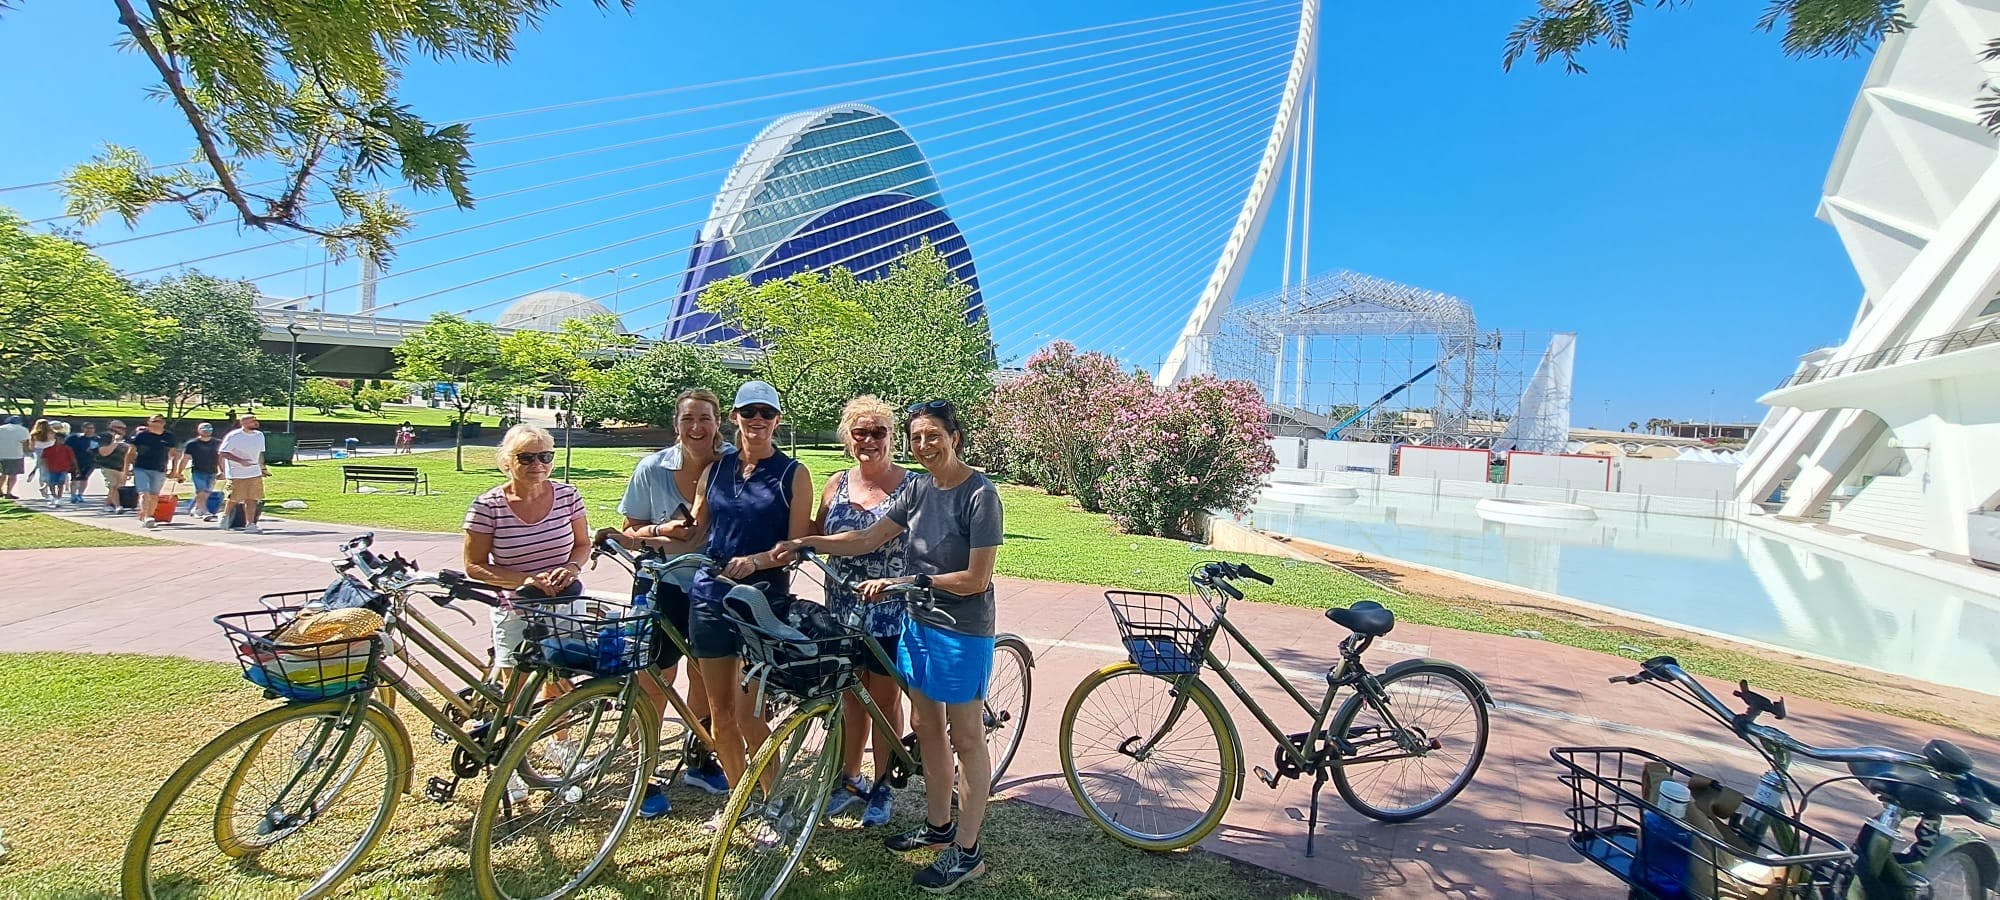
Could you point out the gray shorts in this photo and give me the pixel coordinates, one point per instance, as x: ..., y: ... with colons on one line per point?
x: 13, y: 466
x: 148, y: 481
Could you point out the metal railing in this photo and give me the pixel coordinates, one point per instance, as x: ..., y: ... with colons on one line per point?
x: 314, y: 322
x: 1964, y: 339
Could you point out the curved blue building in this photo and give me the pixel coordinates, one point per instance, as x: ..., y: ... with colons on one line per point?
x: 840, y: 186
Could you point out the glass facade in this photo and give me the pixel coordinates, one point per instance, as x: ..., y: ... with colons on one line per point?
x: 840, y: 187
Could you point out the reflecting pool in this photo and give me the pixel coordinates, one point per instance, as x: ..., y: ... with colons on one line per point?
x: 1707, y: 574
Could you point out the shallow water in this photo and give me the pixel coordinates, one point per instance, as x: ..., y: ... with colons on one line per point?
x: 1706, y: 574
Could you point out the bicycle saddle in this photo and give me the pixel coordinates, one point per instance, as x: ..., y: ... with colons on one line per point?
x: 1364, y: 617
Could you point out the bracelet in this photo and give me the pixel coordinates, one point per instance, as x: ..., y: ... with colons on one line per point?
x: 921, y: 580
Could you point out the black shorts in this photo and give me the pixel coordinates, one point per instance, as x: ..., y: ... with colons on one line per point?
x: 712, y: 633
x: 889, y: 643
x: 672, y: 604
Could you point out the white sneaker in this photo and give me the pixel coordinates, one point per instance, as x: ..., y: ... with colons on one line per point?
x: 148, y: 523
x: 252, y: 529
x: 517, y: 790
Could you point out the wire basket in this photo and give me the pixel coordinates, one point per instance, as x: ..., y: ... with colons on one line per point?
x: 1609, y: 819
x: 1162, y: 634
x: 298, y: 671
x: 586, y: 635
x: 815, y: 658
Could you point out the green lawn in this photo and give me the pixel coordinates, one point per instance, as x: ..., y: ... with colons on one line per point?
x: 1047, y: 537
x: 24, y: 529
x: 91, y: 737
x: 133, y: 413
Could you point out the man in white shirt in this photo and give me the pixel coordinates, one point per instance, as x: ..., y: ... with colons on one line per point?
x: 13, y: 454
x: 242, y: 453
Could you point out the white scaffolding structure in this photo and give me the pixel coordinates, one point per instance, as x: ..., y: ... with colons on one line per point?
x: 1377, y: 360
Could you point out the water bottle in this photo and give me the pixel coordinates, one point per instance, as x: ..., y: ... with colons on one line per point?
x: 638, y: 623
x: 1664, y: 853
x: 1753, y: 822
x: 610, y: 651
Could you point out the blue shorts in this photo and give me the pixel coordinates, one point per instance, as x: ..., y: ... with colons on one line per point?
x: 148, y: 481
x: 944, y: 665
x: 55, y: 479
x: 203, y: 482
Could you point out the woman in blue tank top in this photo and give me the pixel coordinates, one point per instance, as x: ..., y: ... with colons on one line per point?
x: 750, y: 499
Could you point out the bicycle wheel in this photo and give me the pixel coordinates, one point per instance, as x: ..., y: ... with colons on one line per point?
x: 594, y: 749
x: 1167, y: 796
x: 1957, y: 875
x: 1009, y: 689
x: 1443, y: 728
x: 286, y: 802
x: 761, y: 841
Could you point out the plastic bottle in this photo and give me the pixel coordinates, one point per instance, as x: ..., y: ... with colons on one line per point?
x: 610, y: 651
x: 1664, y: 853
x: 637, y: 624
x: 1753, y: 822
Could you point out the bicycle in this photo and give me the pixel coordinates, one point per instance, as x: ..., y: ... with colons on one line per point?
x: 518, y: 832
x: 1763, y: 848
x: 1153, y: 758
x: 761, y: 842
x: 301, y: 793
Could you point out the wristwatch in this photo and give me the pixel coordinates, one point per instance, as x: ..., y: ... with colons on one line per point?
x: 921, y: 580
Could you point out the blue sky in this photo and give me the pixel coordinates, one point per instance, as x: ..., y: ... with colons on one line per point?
x: 1661, y: 207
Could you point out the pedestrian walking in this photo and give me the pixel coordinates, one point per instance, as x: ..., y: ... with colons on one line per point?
x: 406, y: 435
x: 39, y: 438
x: 201, y: 458
x: 83, y: 444
x: 152, y: 455
x: 242, y: 452
x: 58, y: 462
x: 13, y: 453
x: 114, y: 457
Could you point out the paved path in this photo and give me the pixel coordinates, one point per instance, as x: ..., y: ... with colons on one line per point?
x: 1503, y: 838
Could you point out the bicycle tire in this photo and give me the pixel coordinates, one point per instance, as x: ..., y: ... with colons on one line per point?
x: 1443, y: 683
x: 144, y: 863
x: 1202, y: 728
x: 1957, y: 874
x: 1006, y: 715
x: 600, y: 708
x: 741, y: 862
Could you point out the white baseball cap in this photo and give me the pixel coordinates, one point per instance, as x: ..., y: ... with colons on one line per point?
x: 754, y: 392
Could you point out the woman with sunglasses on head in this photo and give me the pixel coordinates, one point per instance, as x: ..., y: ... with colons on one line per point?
x: 853, y: 501
x: 750, y: 499
x: 951, y: 516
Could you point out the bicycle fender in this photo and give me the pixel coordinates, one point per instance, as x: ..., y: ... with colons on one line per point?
x: 1952, y: 838
x: 408, y: 775
x: 1004, y: 637
x: 1478, y: 687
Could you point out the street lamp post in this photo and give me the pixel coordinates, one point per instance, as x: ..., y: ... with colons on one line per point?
x: 292, y: 395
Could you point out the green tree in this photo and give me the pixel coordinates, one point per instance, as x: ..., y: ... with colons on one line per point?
x: 568, y: 360
x: 73, y: 326
x: 830, y: 337
x: 295, y: 113
x: 324, y: 394
x: 642, y: 388
x: 465, y: 354
x: 210, y: 353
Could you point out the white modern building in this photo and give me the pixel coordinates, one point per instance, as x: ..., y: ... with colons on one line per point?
x: 1896, y: 431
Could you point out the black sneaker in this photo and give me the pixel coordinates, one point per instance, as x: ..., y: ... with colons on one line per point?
x: 955, y: 866
x: 923, y: 837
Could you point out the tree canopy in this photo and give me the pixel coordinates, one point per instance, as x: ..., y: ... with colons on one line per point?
x: 295, y: 113
x: 465, y: 354
x: 211, y: 353
x: 831, y: 337
x: 1808, y: 28
x: 642, y: 388
x: 72, y: 323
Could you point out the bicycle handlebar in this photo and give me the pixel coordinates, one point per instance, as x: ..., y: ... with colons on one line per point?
x: 907, y: 594
x: 1218, y: 575
x: 1667, y: 670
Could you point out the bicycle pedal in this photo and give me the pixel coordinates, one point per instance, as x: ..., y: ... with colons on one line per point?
x: 440, y: 735
x: 440, y: 790
x: 1264, y: 775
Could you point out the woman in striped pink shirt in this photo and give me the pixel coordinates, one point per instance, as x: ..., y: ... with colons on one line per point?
x: 528, y: 534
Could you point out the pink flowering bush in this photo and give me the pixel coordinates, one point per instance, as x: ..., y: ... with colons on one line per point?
x: 1055, y: 422
x: 1202, y: 444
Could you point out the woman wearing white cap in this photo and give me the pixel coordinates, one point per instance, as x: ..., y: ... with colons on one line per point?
x: 750, y: 499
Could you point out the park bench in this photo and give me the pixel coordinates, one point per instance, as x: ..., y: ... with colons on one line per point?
x: 324, y: 445
x: 358, y: 475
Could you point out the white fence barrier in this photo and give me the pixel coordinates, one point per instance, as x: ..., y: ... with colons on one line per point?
x: 1677, y: 478
x: 1448, y: 463
x: 1347, y: 456
x: 1289, y: 451
x: 1581, y: 473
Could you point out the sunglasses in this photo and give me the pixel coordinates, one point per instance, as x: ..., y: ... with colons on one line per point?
x: 545, y: 457
x: 943, y: 406
x: 869, y: 434
x: 756, y: 412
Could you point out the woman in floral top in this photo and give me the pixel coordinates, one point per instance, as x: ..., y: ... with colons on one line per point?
x: 852, y: 501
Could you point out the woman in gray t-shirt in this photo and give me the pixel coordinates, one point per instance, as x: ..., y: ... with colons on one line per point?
x: 953, y: 520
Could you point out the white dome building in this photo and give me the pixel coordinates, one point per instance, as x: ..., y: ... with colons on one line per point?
x: 547, y: 310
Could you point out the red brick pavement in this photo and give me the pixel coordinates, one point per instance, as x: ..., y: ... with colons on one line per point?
x: 1504, y: 837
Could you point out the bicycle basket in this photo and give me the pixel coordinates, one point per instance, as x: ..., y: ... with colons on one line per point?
x: 1162, y: 634
x: 586, y: 636
x: 1608, y: 816
x: 804, y: 651
x: 303, y: 655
